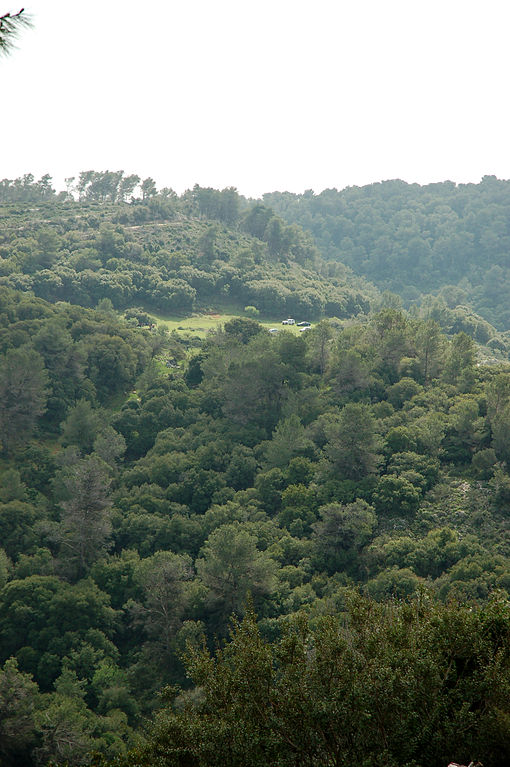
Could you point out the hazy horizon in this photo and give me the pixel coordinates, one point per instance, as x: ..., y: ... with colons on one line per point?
x: 60, y: 186
x: 274, y: 97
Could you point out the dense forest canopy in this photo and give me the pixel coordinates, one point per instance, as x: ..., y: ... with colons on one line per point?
x: 344, y: 492
x: 446, y: 238
x: 168, y: 252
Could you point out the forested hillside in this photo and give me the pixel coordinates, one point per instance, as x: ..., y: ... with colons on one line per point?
x: 343, y: 491
x: 172, y: 254
x: 446, y: 238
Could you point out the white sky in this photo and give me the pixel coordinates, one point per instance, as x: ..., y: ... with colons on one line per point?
x: 285, y: 95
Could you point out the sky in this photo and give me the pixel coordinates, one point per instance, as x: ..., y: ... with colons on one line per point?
x: 264, y: 96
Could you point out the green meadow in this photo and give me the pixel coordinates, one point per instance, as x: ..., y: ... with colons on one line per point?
x: 201, y: 324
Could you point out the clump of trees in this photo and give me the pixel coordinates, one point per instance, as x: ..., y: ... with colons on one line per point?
x: 212, y: 251
x: 394, y: 684
x: 445, y: 239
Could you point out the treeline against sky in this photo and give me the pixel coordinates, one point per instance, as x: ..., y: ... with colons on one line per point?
x: 173, y: 254
x: 446, y: 238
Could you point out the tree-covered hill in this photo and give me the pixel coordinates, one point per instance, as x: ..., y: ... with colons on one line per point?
x: 140, y: 506
x: 346, y: 489
x: 446, y: 238
x: 167, y: 253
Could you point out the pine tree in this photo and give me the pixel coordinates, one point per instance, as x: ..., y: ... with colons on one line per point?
x: 11, y: 25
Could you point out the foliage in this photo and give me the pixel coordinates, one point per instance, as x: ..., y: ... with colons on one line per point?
x: 445, y: 239
x: 110, y: 252
x: 393, y: 685
x: 85, y: 523
x: 10, y: 26
x: 23, y: 394
x: 152, y: 482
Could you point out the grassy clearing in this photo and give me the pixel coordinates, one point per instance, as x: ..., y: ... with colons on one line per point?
x: 200, y: 324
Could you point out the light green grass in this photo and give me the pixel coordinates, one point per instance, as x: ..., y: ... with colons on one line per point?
x: 200, y: 324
